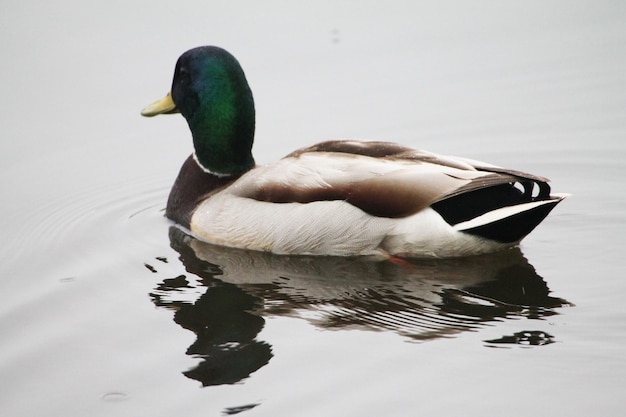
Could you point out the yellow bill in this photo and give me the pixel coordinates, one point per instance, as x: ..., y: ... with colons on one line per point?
x: 163, y: 106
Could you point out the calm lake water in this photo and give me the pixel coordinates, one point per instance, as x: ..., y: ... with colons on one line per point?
x: 107, y: 310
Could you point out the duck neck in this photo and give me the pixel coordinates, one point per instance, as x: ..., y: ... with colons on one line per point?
x: 223, y: 138
x: 221, y: 118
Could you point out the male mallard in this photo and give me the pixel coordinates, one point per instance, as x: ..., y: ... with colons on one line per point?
x: 334, y: 198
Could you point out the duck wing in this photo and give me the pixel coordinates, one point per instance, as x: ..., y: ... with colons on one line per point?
x: 387, y: 180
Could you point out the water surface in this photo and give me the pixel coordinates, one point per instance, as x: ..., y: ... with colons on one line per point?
x: 110, y: 310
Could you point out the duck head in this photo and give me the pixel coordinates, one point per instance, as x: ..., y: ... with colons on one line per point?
x: 210, y: 90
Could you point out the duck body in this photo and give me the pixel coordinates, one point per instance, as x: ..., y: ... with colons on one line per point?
x: 340, y: 198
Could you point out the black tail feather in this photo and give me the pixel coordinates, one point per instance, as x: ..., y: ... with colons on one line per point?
x: 467, y: 206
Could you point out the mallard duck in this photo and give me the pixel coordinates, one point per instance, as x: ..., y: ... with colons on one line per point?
x: 341, y: 197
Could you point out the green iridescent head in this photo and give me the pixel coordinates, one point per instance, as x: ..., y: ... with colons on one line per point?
x: 210, y: 90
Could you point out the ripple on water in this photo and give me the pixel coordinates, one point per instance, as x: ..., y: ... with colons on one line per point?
x: 115, y: 397
x: 93, y: 220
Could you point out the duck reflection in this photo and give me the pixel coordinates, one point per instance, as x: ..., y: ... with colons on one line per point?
x: 232, y: 290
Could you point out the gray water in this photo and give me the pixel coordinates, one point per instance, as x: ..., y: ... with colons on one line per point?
x: 109, y: 311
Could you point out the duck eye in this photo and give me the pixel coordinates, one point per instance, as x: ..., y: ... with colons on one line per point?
x: 183, y: 74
